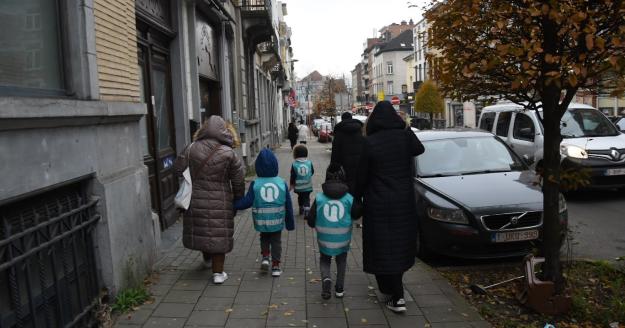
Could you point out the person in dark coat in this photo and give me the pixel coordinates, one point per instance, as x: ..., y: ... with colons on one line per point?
x: 390, y: 216
x: 208, y: 224
x: 292, y: 134
x: 347, y: 147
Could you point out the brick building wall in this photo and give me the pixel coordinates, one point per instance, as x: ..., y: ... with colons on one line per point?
x: 116, y: 46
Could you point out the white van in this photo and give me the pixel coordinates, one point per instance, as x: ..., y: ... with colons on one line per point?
x: 590, y: 139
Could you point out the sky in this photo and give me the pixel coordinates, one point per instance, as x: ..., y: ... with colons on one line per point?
x: 328, y: 35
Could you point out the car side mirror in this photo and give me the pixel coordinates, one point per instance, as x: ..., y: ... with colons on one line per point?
x: 528, y: 160
x: 527, y: 133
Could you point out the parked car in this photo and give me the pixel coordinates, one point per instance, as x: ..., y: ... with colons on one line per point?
x: 591, y: 140
x: 475, y: 197
x: 315, y: 126
x: 325, y: 133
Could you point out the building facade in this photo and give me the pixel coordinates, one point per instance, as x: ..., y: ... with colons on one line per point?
x: 389, y: 67
x: 97, y: 98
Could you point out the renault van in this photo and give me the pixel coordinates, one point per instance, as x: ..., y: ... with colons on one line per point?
x: 590, y: 139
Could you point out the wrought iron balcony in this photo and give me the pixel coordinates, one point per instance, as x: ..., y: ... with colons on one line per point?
x: 256, y: 8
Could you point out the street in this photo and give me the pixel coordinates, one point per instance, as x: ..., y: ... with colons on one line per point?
x: 597, y: 222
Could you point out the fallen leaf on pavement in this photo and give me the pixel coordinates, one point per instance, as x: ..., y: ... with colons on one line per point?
x: 363, y: 320
x: 229, y: 310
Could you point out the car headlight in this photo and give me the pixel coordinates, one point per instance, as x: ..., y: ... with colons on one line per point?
x: 562, y: 207
x: 573, y: 151
x: 448, y: 215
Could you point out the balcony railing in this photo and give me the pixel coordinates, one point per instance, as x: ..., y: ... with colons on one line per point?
x: 256, y: 6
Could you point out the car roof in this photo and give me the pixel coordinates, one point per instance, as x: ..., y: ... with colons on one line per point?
x: 509, y: 106
x: 429, y: 135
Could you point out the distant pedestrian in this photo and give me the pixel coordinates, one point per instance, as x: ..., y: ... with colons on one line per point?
x: 292, y: 134
x: 218, y: 176
x: 302, y: 172
x: 331, y: 215
x: 272, y: 209
x: 347, y: 147
x: 389, y: 220
x: 303, y: 133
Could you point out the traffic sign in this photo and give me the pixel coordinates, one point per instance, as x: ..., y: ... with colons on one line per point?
x: 395, y: 100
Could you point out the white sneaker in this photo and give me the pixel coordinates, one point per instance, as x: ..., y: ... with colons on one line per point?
x: 397, y: 307
x: 219, y: 278
x: 264, y: 264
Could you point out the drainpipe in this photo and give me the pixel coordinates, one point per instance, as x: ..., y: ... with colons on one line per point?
x: 225, y: 74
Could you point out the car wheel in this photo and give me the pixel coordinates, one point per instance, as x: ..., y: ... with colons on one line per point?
x: 422, y: 251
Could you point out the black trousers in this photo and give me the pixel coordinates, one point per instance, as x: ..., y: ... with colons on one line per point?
x: 391, y: 284
x: 303, y: 198
x: 293, y: 142
x: 271, y: 243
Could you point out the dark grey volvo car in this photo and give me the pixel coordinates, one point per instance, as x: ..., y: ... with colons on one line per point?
x: 475, y: 197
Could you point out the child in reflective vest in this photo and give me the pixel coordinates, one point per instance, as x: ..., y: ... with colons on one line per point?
x: 272, y: 210
x: 331, y: 215
x: 302, y: 172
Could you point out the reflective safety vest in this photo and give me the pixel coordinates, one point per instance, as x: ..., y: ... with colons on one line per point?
x: 334, y: 224
x: 303, y: 176
x: 268, y: 210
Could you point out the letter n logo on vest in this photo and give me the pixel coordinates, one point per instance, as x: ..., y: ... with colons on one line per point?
x: 302, y: 170
x: 333, y: 211
x: 269, y: 192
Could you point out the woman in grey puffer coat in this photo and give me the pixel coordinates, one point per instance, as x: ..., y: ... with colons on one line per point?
x: 208, y: 224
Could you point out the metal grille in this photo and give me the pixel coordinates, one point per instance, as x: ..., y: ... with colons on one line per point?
x: 508, y: 221
x: 48, y: 274
x: 255, y: 5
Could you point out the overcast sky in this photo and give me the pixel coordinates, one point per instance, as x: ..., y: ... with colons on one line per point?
x: 328, y: 35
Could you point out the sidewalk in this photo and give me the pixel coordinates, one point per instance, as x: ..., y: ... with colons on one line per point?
x: 186, y: 297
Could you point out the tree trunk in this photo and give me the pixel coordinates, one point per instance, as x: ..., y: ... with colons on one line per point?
x: 551, y: 193
x: 431, y: 120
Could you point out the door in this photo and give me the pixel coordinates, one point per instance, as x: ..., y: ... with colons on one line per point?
x: 210, y: 103
x: 159, y: 133
x: 523, y: 135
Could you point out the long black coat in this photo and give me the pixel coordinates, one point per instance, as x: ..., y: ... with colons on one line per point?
x: 347, y: 148
x: 385, y: 183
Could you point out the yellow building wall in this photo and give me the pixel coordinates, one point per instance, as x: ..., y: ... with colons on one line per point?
x: 116, y: 50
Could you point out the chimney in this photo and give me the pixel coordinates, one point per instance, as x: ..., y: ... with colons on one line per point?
x: 403, y: 22
x: 411, y: 22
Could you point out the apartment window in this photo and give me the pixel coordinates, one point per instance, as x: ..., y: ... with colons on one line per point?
x: 389, y: 68
x: 30, y: 55
x: 389, y: 87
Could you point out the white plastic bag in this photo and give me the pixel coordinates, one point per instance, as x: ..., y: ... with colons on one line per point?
x: 183, y: 197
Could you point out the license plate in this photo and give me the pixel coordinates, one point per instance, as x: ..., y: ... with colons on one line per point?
x: 506, y: 237
x: 611, y: 172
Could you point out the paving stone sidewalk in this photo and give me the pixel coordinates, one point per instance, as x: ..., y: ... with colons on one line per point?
x: 185, y: 296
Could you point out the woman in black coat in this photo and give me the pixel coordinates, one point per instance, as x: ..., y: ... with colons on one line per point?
x: 347, y: 147
x: 293, y: 134
x: 390, y: 217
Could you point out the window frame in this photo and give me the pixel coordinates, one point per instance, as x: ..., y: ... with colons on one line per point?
x: 389, y: 68
x: 485, y: 117
x: 64, y: 92
x: 390, y: 88
x: 508, y: 124
x: 514, y: 130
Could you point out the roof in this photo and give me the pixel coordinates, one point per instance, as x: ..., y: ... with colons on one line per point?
x: 429, y: 135
x: 510, y: 106
x: 314, y: 76
x: 409, y: 57
x: 402, y: 42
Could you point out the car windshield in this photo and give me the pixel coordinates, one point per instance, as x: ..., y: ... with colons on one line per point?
x: 451, y: 157
x: 585, y: 122
x: 621, y: 124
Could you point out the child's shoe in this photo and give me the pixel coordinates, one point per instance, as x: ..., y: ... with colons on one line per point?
x: 338, y: 291
x: 219, y: 278
x: 275, y: 269
x: 306, y: 211
x: 398, y: 306
x: 264, y: 264
x: 326, y: 287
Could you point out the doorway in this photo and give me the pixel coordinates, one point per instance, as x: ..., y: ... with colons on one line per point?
x: 210, y: 103
x: 157, y: 127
